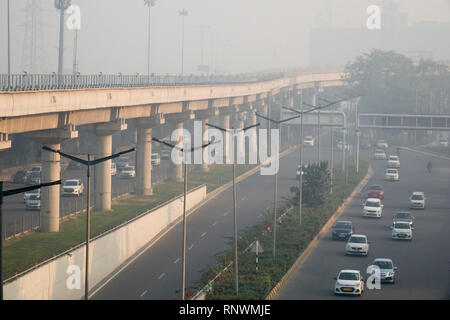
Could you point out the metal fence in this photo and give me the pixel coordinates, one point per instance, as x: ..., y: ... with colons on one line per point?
x: 31, y: 82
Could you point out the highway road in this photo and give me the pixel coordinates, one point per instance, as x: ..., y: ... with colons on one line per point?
x: 423, y: 264
x: 156, y: 274
x: 16, y: 217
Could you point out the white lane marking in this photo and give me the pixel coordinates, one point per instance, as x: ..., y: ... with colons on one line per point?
x: 143, y: 293
x: 244, y: 198
x: 214, y: 224
x: 225, y: 214
x: 260, y: 215
x: 191, y: 247
x: 161, y: 276
x: 204, y: 234
x: 176, y: 261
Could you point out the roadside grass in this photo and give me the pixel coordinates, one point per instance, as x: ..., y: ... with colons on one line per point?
x: 292, y: 239
x: 438, y: 149
x: 22, y: 253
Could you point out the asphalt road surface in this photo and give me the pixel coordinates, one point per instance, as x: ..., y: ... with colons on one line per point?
x: 156, y: 274
x: 423, y: 263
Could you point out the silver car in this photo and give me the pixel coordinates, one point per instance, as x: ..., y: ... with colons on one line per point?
x: 387, y: 269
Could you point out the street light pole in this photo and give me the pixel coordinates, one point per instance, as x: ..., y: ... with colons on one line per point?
x: 183, y: 151
x: 61, y: 5
x: 149, y: 4
x: 236, y: 265
x: 183, y: 13
x: 9, y: 43
x: 88, y: 164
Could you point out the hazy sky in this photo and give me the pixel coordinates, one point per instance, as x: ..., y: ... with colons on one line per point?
x: 243, y: 35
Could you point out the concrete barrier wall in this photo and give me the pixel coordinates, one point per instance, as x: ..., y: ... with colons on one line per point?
x: 107, y: 252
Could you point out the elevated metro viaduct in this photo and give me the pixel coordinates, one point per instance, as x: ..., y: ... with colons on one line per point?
x: 50, y: 117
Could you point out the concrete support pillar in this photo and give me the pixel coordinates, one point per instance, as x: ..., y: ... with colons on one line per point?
x: 205, y: 167
x: 226, y: 136
x: 253, y: 133
x: 103, y: 173
x: 177, y: 169
x: 144, y: 162
x: 50, y: 196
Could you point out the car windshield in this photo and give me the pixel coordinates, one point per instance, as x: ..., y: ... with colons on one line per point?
x: 348, y: 276
x: 402, y: 226
x: 393, y: 158
x: 402, y: 215
x: 36, y: 175
x: 417, y: 197
x: 372, y: 204
x: 34, y: 197
x: 128, y: 169
x: 383, y: 264
x: 392, y: 171
x: 376, y: 187
x: 71, y: 183
x: 379, y: 151
x: 343, y: 225
x: 357, y: 240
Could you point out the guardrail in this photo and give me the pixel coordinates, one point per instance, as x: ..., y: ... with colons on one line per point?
x: 32, y: 82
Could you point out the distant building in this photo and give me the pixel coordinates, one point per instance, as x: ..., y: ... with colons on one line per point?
x: 338, y: 46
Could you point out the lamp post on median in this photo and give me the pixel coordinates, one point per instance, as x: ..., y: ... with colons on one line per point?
x: 183, y: 151
x: 275, y: 189
x: 61, y: 5
x: 88, y: 163
x: 183, y: 13
x: 149, y: 4
x: 234, y: 131
x: 10, y: 193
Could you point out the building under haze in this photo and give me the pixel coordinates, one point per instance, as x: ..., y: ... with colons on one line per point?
x: 337, y: 46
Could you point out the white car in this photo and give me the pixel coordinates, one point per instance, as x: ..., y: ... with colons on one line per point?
x: 156, y: 160
x: 28, y: 194
x: 417, y: 200
x: 379, y: 154
x: 373, y: 208
x: 308, y: 141
x: 113, y: 168
x: 33, y: 202
x: 393, y: 162
x: 357, y: 244
x: 340, y: 146
x: 349, y: 282
x: 402, y: 230
x: 382, y: 144
x: 72, y: 187
x: 443, y: 141
x: 391, y: 175
x: 387, y: 269
x: 128, y: 172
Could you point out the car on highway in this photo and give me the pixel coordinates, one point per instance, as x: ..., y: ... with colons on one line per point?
x: 379, y: 155
x: 342, y: 230
x: 122, y: 162
x: 376, y: 191
x: 387, y: 269
x: 391, y: 175
x: 156, y: 160
x: 443, y: 141
x: 402, y: 230
x: 417, y: 200
x: 357, y: 244
x: 403, y: 217
x: 340, y: 146
x: 72, y: 187
x: 113, y: 169
x: 308, y: 141
x: 128, y: 172
x: 349, y: 282
x: 382, y: 144
x: 34, y: 178
x: 373, y: 208
x: 28, y: 194
x: 394, y: 162
x: 20, y: 177
x: 33, y: 202
x: 165, y: 153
